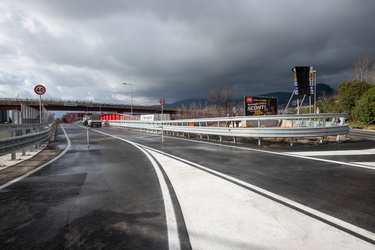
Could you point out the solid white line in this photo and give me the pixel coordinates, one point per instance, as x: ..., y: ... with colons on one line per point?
x: 40, y: 167
x: 317, y: 213
x: 173, y: 239
x: 288, y: 154
x: 338, y: 152
x: 371, y: 164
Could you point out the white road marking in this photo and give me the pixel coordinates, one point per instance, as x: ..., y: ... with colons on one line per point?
x: 222, y: 215
x: 371, y: 164
x: 40, y: 167
x: 337, y: 152
x: 288, y: 154
x: 173, y: 239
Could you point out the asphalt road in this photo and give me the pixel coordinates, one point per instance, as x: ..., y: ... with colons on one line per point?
x: 130, y: 190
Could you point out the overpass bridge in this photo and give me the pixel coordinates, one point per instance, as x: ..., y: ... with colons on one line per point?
x: 79, y: 105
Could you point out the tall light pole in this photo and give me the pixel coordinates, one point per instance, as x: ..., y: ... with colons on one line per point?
x: 131, y: 89
x: 100, y: 105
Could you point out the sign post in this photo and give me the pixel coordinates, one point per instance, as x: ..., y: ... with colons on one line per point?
x: 40, y: 90
x: 162, y: 101
x: 305, y: 83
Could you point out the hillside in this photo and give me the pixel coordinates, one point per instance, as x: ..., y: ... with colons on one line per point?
x: 323, y: 90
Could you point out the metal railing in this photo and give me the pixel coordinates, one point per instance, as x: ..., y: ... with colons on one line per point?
x: 69, y: 102
x: 18, y: 137
x: 272, y: 126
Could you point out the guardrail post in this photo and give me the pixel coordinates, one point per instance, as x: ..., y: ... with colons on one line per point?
x: 39, y: 129
x: 342, y: 122
x: 53, y: 132
x: 291, y: 141
x: 24, y: 133
x: 259, y: 141
x: 13, y: 155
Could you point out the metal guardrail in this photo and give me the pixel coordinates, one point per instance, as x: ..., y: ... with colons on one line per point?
x: 272, y: 126
x: 17, y: 137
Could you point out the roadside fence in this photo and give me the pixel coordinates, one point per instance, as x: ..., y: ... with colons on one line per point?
x: 21, y: 137
x: 271, y: 126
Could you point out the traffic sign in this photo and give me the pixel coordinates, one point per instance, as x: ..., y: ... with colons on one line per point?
x: 40, y: 90
x: 162, y: 101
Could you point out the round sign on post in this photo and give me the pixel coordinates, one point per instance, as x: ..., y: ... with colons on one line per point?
x: 162, y: 101
x: 40, y: 90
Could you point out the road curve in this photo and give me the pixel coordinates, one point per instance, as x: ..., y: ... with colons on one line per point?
x: 125, y: 190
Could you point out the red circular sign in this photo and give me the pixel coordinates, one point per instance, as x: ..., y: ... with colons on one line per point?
x: 162, y: 101
x: 40, y: 90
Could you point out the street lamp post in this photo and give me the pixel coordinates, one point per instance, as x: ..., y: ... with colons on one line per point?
x: 100, y: 106
x: 131, y: 90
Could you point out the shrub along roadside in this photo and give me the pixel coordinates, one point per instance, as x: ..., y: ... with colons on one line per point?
x: 364, y: 110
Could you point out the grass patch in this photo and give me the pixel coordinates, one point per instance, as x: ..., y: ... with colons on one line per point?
x: 361, y: 125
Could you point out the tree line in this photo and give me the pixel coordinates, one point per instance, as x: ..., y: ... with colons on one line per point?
x: 357, y: 96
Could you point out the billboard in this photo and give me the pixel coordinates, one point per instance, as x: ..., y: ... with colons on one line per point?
x: 260, y: 105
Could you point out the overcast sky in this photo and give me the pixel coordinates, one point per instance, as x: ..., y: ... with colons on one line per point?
x: 176, y: 49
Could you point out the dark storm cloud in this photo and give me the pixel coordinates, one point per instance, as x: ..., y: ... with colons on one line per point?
x: 179, y: 49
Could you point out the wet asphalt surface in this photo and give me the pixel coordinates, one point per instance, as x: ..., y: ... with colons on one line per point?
x: 107, y: 196
x: 102, y: 197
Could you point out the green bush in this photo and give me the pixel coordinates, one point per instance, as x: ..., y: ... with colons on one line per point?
x: 350, y: 93
x: 329, y: 106
x: 364, y: 111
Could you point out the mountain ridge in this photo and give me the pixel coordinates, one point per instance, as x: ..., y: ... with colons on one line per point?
x: 323, y: 91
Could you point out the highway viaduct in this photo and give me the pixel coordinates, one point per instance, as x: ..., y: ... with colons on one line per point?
x: 79, y: 105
